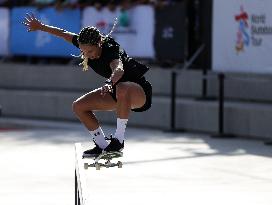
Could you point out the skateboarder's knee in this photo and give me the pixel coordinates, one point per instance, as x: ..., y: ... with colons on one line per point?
x: 77, y: 107
x: 122, y: 91
x: 80, y: 107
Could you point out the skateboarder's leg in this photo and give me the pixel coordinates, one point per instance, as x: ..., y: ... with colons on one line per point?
x: 129, y: 96
x: 84, y: 107
x: 92, y: 101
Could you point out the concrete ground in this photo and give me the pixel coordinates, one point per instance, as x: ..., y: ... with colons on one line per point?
x: 37, y: 167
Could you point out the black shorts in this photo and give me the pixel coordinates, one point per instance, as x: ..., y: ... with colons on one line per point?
x: 148, y: 93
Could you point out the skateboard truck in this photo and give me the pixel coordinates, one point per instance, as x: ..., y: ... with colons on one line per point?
x: 107, y: 156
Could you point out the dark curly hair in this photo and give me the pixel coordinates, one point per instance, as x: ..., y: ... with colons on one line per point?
x: 89, y: 35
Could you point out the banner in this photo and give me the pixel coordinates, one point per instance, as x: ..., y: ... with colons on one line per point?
x: 170, y: 32
x: 4, y: 27
x: 40, y: 43
x: 134, y: 31
x: 242, y: 36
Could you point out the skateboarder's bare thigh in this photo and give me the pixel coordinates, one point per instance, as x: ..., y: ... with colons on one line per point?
x: 95, y: 101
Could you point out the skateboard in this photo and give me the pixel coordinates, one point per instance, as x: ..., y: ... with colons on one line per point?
x: 107, y: 157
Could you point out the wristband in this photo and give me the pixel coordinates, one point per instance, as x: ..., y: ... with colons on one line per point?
x: 109, y: 82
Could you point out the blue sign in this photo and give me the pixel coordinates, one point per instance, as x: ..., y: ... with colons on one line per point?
x: 4, y: 26
x: 40, y: 43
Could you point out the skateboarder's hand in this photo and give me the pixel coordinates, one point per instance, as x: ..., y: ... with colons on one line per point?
x: 32, y: 23
x: 106, y: 88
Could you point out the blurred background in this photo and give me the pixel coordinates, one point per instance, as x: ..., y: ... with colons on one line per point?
x: 210, y: 62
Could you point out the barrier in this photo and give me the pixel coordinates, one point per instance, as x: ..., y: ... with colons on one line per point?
x: 171, y: 32
x: 221, y: 77
x: 41, y: 43
x: 136, y: 36
x: 242, y: 36
x: 4, y: 37
x: 174, y: 85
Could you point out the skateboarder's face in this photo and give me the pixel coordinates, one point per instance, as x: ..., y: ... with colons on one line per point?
x: 91, y: 51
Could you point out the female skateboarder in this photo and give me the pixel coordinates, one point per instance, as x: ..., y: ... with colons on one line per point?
x: 125, y: 87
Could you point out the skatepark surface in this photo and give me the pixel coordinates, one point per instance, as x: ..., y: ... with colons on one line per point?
x: 38, y: 167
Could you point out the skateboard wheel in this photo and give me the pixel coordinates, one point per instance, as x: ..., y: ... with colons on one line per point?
x: 120, y: 165
x: 86, y: 165
x: 97, y: 166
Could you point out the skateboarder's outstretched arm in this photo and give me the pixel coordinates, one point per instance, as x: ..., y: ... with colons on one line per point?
x: 34, y: 24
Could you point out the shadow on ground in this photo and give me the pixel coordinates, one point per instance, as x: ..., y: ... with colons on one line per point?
x: 69, y: 133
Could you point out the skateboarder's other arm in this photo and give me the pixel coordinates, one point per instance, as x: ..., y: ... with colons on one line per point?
x: 33, y: 24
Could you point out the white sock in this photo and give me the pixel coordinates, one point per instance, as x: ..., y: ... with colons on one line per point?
x: 99, y: 138
x: 120, y: 130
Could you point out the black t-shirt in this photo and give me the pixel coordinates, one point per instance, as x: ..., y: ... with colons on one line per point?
x: 111, y: 50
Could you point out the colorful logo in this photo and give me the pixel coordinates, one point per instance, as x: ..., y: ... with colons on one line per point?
x: 243, y: 37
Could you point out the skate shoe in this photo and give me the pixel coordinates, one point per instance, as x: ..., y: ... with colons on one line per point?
x: 94, y: 152
x: 115, y: 146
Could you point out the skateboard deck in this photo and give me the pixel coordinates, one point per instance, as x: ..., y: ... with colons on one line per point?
x: 107, y: 157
